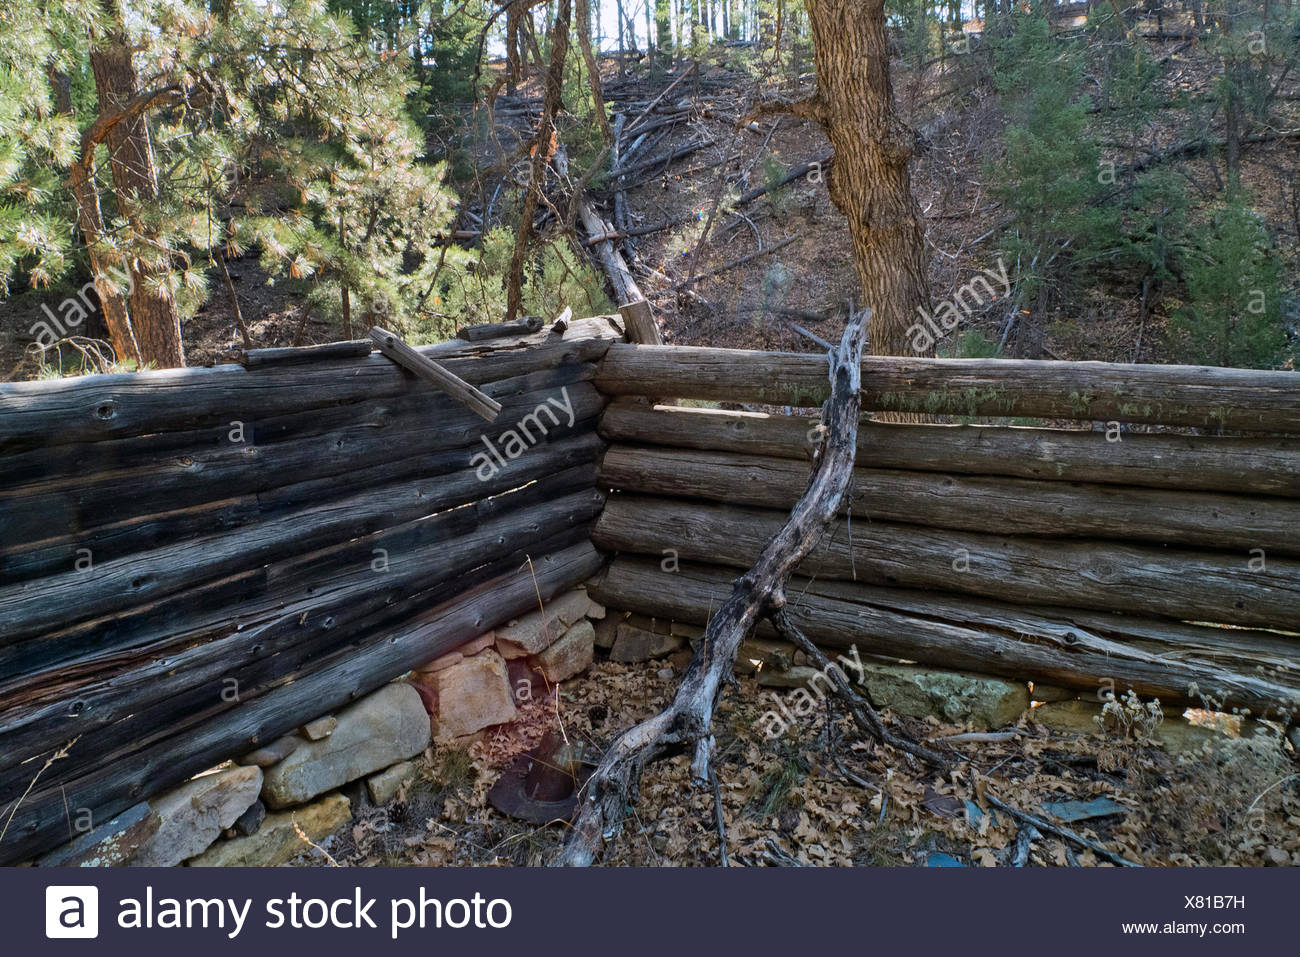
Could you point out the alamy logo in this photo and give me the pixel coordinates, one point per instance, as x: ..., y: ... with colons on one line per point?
x: 71, y: 911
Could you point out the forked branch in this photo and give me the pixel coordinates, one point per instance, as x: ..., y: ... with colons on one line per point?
x: 688, y: 721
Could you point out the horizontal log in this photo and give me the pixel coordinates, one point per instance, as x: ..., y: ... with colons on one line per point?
x: 407, y: 414
x: 1267, y: 466
x: 94, y: 647
x: 293, y: 355
x: 215, y: 472
x: 1211, y: 398
x: 92, y: 408
x: 159, y: 719
x: 499, y: 330
x: 42, y: 713
x: 44, y: 606
x: 956, y: 633
x: 1180, y: 584
x: 40, y: 823
x: 971, y: 503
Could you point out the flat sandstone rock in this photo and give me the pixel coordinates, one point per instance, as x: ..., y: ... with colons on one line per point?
x: 379, y: 730
x: 194, y: 814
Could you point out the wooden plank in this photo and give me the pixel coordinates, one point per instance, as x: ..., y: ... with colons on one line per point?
x: 1211, y: 398
x: 1181, y: 584
x: 39, y: 822
x: 93, y: 408
x: 972, y: 503
x: 1266, y: 466
x: 392, y: 345
x: 954, y: 632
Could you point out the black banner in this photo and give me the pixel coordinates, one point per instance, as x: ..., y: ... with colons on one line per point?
x: 533, y: 912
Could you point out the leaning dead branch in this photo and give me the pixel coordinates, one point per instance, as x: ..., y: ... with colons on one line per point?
x: 687, y: 722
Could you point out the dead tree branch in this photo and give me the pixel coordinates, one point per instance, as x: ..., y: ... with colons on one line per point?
x: 687, y: 722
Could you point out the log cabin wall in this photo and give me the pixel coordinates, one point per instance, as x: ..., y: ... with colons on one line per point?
x: 195, y: 561
x: 1151, y: 543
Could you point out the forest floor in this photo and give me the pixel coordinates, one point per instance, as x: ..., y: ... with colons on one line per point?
x: 788, y: 801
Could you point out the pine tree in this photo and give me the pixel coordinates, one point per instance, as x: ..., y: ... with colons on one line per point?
x: 1231, y: 316
x: 288, y: 132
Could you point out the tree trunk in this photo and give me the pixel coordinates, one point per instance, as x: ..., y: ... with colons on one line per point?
x: 542, y: 148
x: 90, y: 220
x: 870, y: 183
x: 154, y: 316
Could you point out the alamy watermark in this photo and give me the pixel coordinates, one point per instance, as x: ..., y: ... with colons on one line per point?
x: 924, y: 334
x: 515, y: 442
x: 808, y: 697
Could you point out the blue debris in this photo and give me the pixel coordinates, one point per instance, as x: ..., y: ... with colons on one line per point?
x: 1068, y: 811
x: 937, y: 859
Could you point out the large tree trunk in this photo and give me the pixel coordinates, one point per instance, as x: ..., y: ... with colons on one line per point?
x: 135, y: 179
x: 869, y: 182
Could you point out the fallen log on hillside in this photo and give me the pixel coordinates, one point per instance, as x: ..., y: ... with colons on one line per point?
x: 978, y: 504
x: 1179, y: 664
x: 687, y: 722
x: 822, y: 164
x: 1182, y: 584
x: 1164, y: 461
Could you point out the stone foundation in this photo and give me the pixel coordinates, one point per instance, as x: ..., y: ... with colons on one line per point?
x: 273, y: 804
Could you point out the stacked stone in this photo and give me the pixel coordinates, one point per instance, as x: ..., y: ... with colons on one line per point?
x: 277, y: 801
x: 273, y: 803
x: 483, y: 683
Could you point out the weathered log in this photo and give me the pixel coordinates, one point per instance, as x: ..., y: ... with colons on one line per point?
x: 379, y: 434
x: 640, y: 322
x: 499, y: 330
x: 93, y: 648
x: 1180, y: 584
x: 978, y: 504
x: 1266, y: 466
x: 120, y: 539
x: 687, y: 722
x: 327, y: 611
x: 91, y: 408
x: 39, y: 822
x: 394, y: 347
x: 1223, y: 668
x: 611, y: 261
x: 410, y: 411
x: 112, y: 586
x: 1212, y: 398
x: 293, y: 355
